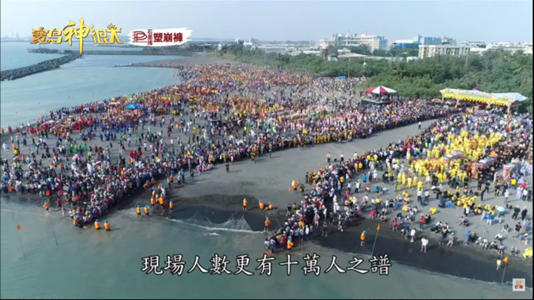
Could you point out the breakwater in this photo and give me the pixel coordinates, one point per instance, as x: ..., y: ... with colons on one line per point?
x: 38, y: 67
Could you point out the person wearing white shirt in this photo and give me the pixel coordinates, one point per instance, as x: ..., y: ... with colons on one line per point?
x: 424, y: 244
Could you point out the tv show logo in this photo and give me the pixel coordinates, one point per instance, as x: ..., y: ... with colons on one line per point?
x: 518, y: 284
x: 159, y: 37
x: 107, y: 36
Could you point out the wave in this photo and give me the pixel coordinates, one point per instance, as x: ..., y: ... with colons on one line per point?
x: 231, y: 225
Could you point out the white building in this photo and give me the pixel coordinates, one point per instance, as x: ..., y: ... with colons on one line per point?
x: 374, y: 42
x: 527, y: 49
x: 442, y: 50
x: 512, y: 47
x: 323, y: 44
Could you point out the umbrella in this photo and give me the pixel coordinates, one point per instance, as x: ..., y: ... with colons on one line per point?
x: 133, y: 106
x: 380, y: 90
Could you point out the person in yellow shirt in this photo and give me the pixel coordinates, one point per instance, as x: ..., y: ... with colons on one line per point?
x: 420, y: 185
x: 414, y: 181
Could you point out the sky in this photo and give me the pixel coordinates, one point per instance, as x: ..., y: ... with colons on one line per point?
x: 469, y: 20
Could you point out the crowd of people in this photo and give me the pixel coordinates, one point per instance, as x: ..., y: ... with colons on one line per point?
x: 450, y: 165
x: 87, y: 158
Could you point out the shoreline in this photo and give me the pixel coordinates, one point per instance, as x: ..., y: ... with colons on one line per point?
x: 468, y: 261
x: 197, y: 58
x: 220, y: 207
x: 461, y: 261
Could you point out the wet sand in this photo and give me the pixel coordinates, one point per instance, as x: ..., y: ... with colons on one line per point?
x: 459, y: 260
x: 217, y: 195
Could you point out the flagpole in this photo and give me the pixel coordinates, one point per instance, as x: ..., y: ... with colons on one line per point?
x: 505, y: 261
x: 376, y: 236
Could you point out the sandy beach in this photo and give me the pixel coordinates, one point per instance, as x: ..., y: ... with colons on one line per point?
x: 217, y: 194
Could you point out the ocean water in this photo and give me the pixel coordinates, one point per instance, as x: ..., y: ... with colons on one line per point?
x: 87, y: 79
x: 15, y: 55
x: 58, y: 260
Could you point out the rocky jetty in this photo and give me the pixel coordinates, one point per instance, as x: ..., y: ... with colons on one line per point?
x: 38, y: 67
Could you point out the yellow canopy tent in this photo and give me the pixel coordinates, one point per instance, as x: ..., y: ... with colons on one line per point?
x: 502, y: 99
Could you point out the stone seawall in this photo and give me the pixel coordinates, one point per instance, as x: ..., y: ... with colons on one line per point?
x: 38, y: 67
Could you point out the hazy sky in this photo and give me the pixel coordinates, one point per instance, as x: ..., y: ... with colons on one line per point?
x: 285, y: 20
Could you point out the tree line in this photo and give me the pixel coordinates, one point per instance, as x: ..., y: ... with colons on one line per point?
x: 493, y: 71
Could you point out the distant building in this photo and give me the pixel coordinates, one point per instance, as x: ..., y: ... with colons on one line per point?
x: 475, y: 47
x: 311, y: 51
x: 331, y: 58
x: 422, y: 40
x: 323, y: 44
x: 527, y: 49
x: 374, y: 42
x: 343, y: 51
x: 429, y: 40
x: 281, y: 47
x: 475, y: 44
x: 251, y: 43
x: 448, y: 41
x: 351, y: 56
x: 511, y: 47
x: 405, y: 44
x: 477, y: 50
x: 442, y: 50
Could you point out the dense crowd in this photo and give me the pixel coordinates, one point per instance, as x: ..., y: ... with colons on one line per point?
x: 456, y: 160
x: 86, y: 158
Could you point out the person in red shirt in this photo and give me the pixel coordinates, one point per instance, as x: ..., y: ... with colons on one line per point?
x: 421, y: 222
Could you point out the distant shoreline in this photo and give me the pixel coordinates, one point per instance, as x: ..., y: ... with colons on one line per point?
x: 198, y: 58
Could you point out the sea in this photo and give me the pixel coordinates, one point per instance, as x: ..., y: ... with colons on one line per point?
x: 44, y: 256
x: 90, y: 78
